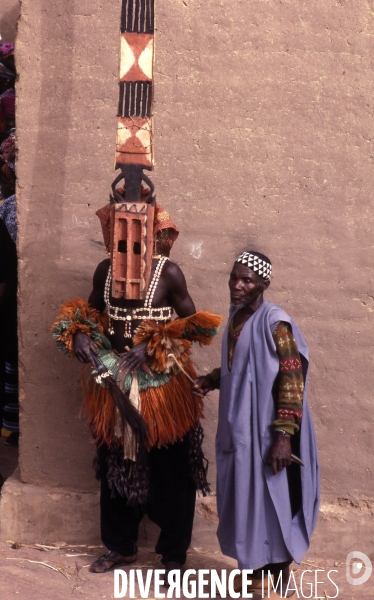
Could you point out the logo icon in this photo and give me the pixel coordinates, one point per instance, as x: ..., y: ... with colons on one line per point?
x: 358, y: 562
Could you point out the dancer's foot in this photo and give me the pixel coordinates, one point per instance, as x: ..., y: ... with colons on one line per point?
x: 171, y: 565
x: 108, y: 562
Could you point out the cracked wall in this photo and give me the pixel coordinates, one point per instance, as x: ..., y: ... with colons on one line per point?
x: 263, y: 138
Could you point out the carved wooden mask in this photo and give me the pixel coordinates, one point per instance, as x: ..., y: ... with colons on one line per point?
x: 131, y: 249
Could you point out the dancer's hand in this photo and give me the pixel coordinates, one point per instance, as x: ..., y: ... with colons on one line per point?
x: 84, y: 347
x: 203, y: 385
x: 134, y: 359
x: 280, y: 453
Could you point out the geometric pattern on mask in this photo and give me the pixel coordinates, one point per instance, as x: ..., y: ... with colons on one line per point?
x: 138, y: 16
x: 136, y: 58
x: 135, y: 99
x: 134, y: 141
x: 256, y: 264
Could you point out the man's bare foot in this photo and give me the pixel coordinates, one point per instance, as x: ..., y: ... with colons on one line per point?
x: 108, y: 562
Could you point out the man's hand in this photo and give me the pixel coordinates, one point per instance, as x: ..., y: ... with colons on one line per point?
x: 203, y: 385
x: 280, y: 453
x: 84, y: 347
x: 134, y: 359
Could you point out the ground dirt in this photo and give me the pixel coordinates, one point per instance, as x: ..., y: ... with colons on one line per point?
x: 37, y: 573
x: 60, y: 571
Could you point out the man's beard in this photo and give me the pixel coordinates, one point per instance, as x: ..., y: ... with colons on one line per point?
x: 237, y: 305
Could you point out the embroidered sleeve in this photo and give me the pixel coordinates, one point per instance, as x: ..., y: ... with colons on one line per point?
x: 289, y: 386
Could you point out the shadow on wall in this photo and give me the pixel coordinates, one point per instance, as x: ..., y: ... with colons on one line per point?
x: 10, y: 12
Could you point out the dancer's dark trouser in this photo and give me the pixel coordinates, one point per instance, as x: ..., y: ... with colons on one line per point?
x: 171, y: 506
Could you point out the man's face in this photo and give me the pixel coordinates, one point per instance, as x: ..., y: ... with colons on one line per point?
x: 245, y: 286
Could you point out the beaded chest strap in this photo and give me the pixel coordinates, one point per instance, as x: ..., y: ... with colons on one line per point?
x: 137, y: 314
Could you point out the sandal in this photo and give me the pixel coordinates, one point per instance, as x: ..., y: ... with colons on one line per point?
x: 108, y: 562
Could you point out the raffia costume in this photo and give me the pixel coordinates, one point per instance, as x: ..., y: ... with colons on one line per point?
x: 163, y: 481
x: 169, y: 464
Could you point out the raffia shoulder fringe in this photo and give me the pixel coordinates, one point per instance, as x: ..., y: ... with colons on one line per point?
x: 77, y: 315
x: 176, y: 338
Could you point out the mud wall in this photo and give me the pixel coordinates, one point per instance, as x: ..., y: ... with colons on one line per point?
x: 264, y: 129
x: 9, y: 13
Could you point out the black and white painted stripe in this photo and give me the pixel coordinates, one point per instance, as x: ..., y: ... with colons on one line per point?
x: 137, y: 16
x: 135, y: 99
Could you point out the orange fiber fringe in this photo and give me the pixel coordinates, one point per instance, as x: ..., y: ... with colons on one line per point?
x: 170, y: 410
x: 176, y: 337
x: 86, y: 313
x: 99, y: 408
x: 189, y: 327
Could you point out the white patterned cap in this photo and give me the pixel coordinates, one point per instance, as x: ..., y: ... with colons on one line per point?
x: 258, y: 263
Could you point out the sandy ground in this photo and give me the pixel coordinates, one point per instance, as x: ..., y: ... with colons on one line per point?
x: 38, y: 573
x: 60, y: 572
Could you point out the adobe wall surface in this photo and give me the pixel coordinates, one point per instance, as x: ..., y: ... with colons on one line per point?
x: 9, y: 13
x: 264, y: 128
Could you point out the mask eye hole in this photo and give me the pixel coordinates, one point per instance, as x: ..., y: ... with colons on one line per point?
x: 122, y: 246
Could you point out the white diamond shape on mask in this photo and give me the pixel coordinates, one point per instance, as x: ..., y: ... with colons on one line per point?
x: 145, y: 60
x: 144, y: 135
x: 127, y: 58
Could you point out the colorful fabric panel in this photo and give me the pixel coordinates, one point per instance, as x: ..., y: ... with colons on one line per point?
x: 234, y: 334
x: 289, y: 386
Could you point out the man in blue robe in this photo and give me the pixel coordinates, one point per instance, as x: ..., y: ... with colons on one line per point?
x: 267, y: 501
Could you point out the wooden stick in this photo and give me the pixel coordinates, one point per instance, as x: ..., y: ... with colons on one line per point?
x: 38, y: 562
x: 171, y: 355
x: 294, y: 458
x: 297, y: 460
